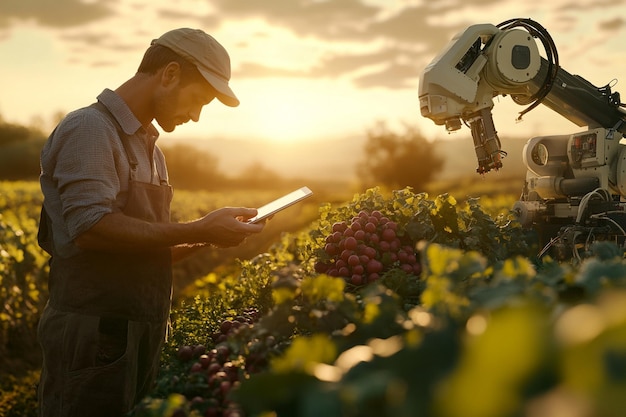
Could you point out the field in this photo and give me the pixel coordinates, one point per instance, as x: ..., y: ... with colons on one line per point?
x: 375, y: 303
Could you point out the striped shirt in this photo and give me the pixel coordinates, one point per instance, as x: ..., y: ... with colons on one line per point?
x: 85, y: 171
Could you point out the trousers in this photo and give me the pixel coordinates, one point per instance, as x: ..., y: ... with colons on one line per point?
x: 95, y: 366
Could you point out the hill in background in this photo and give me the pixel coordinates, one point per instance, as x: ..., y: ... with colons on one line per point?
x: 336, y: 159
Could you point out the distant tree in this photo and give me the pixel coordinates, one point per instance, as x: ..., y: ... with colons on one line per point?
x: 398, y: 160
x: 257, y: 176
x: 10, y: 133
x: 193, y: 169
x: 20, y: 147
x: 57, y: 117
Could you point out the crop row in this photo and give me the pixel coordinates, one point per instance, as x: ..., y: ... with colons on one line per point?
x: 453, y: 315
x: 484, y: 329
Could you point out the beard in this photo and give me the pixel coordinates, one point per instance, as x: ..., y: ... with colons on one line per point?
x: 165, y: 107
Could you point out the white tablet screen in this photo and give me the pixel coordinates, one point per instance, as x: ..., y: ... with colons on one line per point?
x: 281, y: 203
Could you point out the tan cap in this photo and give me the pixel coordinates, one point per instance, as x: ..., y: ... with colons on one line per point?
x: 207, y: 55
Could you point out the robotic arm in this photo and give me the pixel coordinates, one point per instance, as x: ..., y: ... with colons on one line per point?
x: 575, y: 184
x: 485, y: 61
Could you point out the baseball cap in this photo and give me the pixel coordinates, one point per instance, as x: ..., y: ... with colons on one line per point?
x: 207, y: 54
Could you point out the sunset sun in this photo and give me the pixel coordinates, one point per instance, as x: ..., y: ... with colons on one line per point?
x: 286, y: 113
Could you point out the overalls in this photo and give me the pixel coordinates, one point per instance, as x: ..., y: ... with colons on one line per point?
x: 104, y: 326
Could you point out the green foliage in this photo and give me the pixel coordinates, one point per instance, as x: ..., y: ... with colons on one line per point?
x: 23, y: 278
x: 304, y: 304
x: 18, y: 395
x: 407, y: 345
x: 23, y: 264
x: 458, y: 340
x: 484, y: 330
x: 195, y: 319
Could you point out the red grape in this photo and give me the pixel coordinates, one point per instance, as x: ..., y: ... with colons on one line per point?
x: 351, y: 243
x: 363, y: 249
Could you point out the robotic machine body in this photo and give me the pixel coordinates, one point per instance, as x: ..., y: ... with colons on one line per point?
x: 575, y: 183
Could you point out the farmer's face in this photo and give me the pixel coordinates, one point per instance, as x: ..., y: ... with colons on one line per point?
x: 177, y: 104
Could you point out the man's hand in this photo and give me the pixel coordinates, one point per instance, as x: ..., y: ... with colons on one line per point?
x: 228, y: 226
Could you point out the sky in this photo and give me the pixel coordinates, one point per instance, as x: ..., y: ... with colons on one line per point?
x: 302, y: 69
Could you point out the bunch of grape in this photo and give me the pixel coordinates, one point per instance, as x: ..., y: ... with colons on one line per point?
x: 363, y: 249
x: 221, y: 368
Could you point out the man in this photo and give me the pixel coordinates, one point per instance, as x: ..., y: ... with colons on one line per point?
x: 105, y: 223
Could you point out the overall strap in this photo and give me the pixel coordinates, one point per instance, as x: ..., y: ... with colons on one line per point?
x: 132, y: 159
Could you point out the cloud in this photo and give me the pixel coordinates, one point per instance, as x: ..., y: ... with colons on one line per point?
x: 585, y: 6
x: 336, y: 65
x: 88, y: 38
x: 413, y: 25
x: 365, y: 67
x: 56, y: 13
x: 396, y: 40
x: 255, y: 70
x: 393, y: 76
x: 98, y: 48
x: 390, y: 67
x: 612, y: 25
x: 329, y: 19
x: 374, y: 43
x: 173, y: 13
x: 403, y: 40
x: 383, y: 38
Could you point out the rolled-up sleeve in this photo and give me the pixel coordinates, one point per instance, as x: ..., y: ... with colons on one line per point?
x: 86, y: 171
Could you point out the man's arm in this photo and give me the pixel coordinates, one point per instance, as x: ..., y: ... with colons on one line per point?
x: 223, y: 227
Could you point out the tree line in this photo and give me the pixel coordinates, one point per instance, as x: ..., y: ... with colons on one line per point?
x: 391, y: 159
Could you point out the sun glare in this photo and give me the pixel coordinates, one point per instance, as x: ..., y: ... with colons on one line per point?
x: 286, y: 115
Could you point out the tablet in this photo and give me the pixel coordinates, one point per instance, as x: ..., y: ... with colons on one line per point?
x: 281, y: 203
